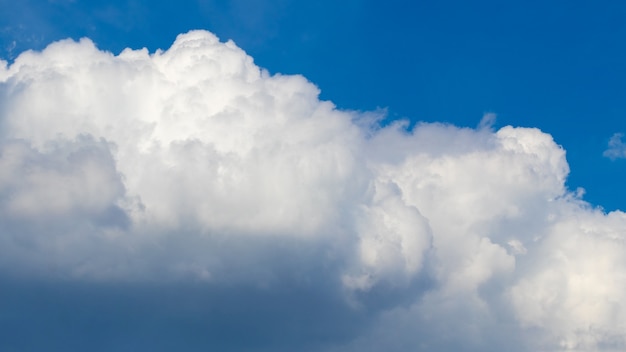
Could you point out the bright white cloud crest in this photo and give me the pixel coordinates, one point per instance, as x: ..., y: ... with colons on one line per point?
x: 194, y: 164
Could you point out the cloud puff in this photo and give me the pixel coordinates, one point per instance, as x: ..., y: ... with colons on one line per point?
x: 617, y: 148
x: 193, y: 165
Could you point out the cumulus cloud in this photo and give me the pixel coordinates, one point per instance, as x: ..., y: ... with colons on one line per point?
x: 617, y: 148
x: 193, y: 165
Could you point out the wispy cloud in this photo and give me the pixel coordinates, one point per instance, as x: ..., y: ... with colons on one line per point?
x: 265, y: 207
x: 617, y: 148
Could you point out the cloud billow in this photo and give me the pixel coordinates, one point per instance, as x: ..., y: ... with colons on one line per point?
x: 193, y: 166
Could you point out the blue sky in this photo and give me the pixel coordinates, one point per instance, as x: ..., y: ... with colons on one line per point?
x: 205, y: 195
x: 557, y: 66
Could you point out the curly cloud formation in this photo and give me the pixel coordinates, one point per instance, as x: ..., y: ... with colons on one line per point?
x: 195, y: 165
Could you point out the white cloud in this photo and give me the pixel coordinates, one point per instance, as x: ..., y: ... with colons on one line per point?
x: 617, y: 148
x: 194, y: 164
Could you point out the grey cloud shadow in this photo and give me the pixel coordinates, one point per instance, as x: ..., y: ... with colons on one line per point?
x: 175, y: 316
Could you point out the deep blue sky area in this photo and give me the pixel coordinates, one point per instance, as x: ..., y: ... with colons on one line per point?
x: 556, y: 65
